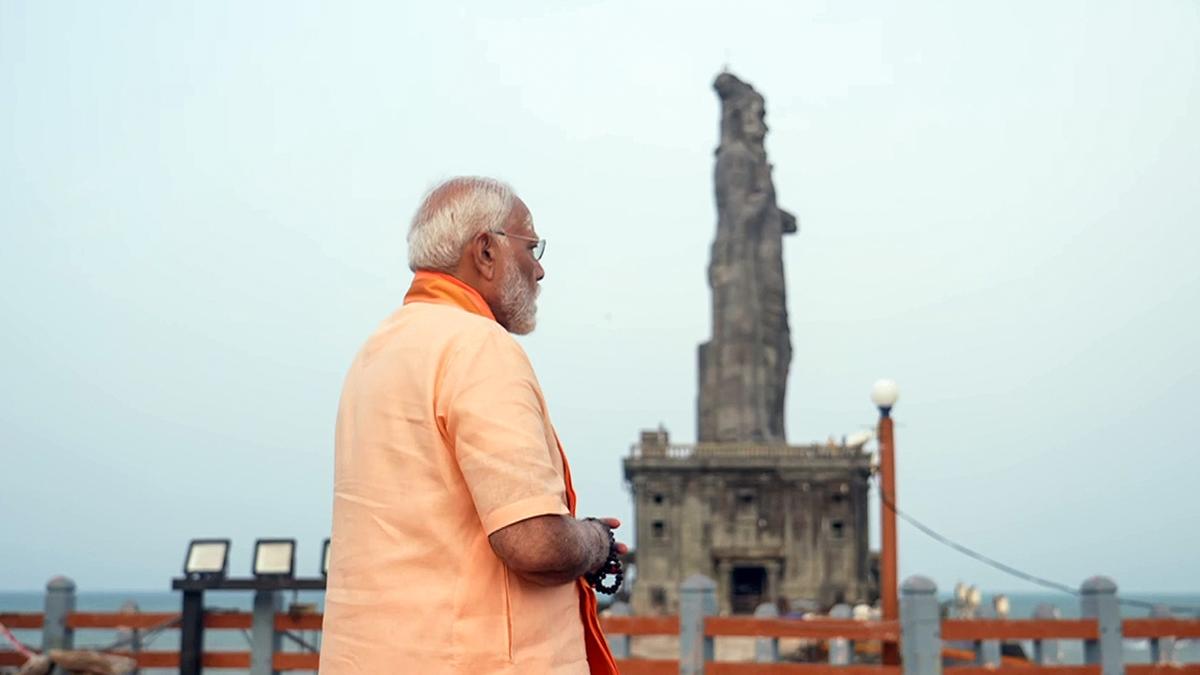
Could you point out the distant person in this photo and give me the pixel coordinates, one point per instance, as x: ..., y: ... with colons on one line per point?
x: 455, y: 546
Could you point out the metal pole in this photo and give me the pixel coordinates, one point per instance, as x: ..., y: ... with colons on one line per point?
x: 264, y: 640
x: 191, y: 633
x: 887, y: 520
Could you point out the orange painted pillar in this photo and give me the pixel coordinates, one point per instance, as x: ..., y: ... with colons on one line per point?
x: 888, y: 554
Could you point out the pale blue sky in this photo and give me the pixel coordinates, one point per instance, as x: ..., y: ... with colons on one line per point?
x: 203, y: 210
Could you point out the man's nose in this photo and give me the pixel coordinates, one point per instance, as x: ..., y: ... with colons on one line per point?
x: 541, y: 271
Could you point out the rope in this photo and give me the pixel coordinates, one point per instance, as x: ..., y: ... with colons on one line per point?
x: 1009, y: 569
x: 305, y: 644
x: 145, y: 636
x: 22, y: 649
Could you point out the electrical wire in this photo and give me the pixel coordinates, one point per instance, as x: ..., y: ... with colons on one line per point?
x: 1009, y: 569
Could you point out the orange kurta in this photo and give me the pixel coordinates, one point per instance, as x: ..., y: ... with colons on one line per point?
x: 443, y: 437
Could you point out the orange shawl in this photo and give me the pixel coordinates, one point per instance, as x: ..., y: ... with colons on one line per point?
x: 445, y: 289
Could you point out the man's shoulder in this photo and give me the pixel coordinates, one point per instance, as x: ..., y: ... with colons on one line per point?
x: 458, y: 328
x: 465, y: 346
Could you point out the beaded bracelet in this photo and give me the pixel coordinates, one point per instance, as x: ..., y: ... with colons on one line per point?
x: 612, y: 565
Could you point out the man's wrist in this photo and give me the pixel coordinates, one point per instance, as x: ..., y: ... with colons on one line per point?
x: 598, y: 547
x: 610, y: 565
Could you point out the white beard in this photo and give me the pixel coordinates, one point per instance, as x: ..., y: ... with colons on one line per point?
x: 518, y: 302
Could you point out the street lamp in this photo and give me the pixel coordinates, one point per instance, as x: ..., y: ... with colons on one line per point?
x: 884, y: 395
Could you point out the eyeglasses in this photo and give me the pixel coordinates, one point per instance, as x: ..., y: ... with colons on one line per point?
x: 538, y: 248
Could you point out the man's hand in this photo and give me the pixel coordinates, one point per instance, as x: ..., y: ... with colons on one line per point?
x: 612, y: 524
x: 551, y: 550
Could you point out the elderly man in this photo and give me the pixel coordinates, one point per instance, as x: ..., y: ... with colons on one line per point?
x: 455, y: 546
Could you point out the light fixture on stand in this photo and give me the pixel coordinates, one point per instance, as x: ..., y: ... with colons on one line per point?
x: 275, y: 558
x: 206, y: 559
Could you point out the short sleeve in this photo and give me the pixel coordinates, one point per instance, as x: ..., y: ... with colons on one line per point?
x: 497, y: 432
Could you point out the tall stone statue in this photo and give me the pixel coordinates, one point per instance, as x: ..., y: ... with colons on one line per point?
x: 744, y: 367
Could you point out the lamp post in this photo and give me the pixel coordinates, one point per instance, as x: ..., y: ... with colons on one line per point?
x: 884, y: 395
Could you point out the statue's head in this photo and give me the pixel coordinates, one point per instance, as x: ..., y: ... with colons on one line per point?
x: 742, y: 110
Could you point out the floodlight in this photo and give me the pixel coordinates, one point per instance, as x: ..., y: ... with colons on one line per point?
x: 206, y: 559
x: 274, y: 558
x: 325, y: 559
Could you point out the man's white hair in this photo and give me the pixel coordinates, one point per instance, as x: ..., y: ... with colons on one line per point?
x: 451, y: 214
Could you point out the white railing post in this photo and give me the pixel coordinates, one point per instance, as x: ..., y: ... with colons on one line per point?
x: 619, y: 643
x: 987, y: 652
x: 1045, y: 652
x: 766, y: 649
x: 1162, y: 649
x: 60, y: 602
x: 697, y: 601
x: 920, y: 627
x: 841, y: 650
x: 1098, y: 600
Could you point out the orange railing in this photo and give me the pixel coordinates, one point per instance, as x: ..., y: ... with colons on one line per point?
x: 976, y: 630
x: 970, y: 630
x: 643, y: 625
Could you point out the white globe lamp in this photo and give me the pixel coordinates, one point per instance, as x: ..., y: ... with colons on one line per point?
x: 884, y: 395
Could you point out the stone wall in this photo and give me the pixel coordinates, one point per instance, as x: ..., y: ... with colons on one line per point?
x: 805, y: 526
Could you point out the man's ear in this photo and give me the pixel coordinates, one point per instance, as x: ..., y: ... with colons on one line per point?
x: 483, y: 254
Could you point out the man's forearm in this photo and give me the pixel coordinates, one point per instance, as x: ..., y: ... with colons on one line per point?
x: 552, y: 550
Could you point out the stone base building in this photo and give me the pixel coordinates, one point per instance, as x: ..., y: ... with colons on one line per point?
x: 767, y: 522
